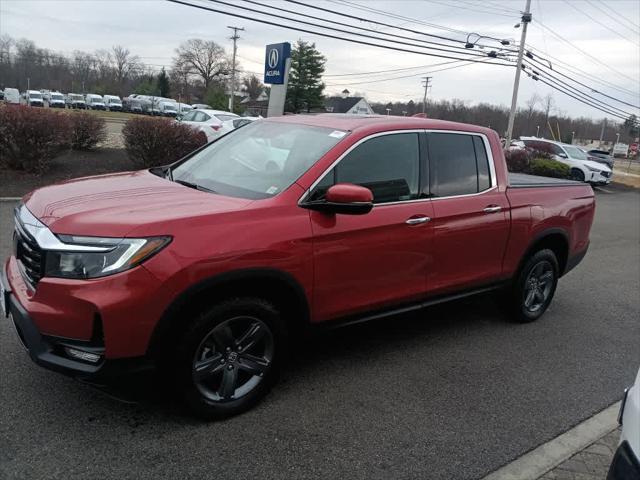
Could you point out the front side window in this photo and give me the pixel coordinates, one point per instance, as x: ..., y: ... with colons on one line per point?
x: 259, y: 160
x: 387, y: 165
x: 576, y: 153
x: 458, y: 164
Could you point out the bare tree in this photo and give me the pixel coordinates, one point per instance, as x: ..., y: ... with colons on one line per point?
x: 124, y: 63
x: 547, y: 104
x: 205, y: 59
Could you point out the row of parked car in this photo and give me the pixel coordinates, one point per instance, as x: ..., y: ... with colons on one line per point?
x: 135, y: 103
x: 590, y: 166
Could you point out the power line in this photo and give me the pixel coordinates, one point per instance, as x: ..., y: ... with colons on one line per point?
x: 472, y: 9
x: 600, y: 23
x: 619, y: 17
x: 322, y: 34
x: 377, y: 72
x: 447, y: 49
x: 408, y: 76
x: 576, y: 91
x: 542, y: 65
x: 354, y: 17
x: 578, y: 71
x: 557, y: 35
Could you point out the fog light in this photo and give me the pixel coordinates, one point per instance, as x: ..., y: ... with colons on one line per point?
x: 82, y: 355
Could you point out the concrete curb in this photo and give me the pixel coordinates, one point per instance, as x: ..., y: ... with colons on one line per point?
x: 539, y: 461
x: 10, y: 199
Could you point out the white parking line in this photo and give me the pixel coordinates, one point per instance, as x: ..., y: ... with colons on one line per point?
x: 539, y: 461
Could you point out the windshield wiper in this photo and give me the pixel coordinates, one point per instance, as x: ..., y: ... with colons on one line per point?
x: 195, y: 186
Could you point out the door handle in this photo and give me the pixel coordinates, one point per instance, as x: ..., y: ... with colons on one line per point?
x: 417, y: 220
x: 492, y: 209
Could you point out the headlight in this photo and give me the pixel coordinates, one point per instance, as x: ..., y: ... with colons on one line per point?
x: 593, y: 169
x: 107, y: 255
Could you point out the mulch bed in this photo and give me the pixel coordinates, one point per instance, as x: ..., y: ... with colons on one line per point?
x: 70, y: 165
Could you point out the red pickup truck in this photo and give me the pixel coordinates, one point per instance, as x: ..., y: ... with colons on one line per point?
x: 207, y: 267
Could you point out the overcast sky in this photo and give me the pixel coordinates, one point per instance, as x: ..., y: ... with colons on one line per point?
x: 152, y: 29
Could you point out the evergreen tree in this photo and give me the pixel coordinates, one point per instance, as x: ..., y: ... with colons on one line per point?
x: 305, y: 88
x: 163, y: 84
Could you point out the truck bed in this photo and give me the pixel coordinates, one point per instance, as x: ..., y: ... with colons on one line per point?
x: 521, y: 180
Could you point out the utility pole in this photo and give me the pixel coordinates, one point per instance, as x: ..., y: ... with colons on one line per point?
x: 526, y: 19
x: 604, y: 125
x: 427, y: 83
x: 235, y: 38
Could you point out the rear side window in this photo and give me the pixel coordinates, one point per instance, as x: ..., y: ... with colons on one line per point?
x: 458, y: 164
x: 224, y: 118
x: 388, y: 165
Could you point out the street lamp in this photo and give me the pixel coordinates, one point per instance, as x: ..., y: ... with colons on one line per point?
x: 617, y: 138
x: 537, y: 130
x: 573, y: 134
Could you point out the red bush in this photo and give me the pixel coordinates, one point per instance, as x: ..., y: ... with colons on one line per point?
x: 517, y: 160
x: 30, y: 137
x: 158, y: 141
x: 87, y: 130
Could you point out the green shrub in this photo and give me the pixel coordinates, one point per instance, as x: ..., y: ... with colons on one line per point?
x: 152, y: 142
x: 30, y: 137
x: 546, y: 167
x: 87, y: 130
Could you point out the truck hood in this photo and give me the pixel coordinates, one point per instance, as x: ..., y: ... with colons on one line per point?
x: 113, y: 205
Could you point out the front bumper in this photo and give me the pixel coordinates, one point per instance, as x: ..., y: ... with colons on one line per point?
x: 600, y: 178
x: 52, y: 352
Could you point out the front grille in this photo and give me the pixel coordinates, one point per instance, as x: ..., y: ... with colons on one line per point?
x: 29, y: 255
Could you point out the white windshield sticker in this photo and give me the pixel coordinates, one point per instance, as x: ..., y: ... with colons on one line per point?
x: 272, y: 190
x: 337, y: 134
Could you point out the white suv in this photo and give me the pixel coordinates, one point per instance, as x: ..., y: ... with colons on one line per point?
x: 582, y: 169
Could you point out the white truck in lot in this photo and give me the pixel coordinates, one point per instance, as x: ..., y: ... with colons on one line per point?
x: 55, y: 100
x: 33, y: 98
x: 112, y: 103
x: 620, y: 150
x: 12, y: 95
x: 94, y: 101
x: 76, y: 101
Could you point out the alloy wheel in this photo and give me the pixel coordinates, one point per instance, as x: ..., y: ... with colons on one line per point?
x: 538, y: 286
x: 233, y: 359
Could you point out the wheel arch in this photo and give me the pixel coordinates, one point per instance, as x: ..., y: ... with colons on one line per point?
x: 556, y: 240
x: 273, y: 285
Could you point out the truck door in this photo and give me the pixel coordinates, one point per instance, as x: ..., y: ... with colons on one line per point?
x: 471, y: 213
x: 362, y: 262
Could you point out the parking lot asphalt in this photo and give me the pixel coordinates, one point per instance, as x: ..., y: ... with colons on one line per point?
x: 453, y: 392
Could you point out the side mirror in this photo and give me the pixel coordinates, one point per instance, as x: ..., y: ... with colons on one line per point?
x: 345, y: 198
x: 563, y: 155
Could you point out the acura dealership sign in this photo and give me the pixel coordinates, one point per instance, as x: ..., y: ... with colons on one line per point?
x: 275, y: 60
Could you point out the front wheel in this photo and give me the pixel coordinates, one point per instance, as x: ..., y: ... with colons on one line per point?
x: 577, y: 174
x: 535, y: 286
x: 230, y: 357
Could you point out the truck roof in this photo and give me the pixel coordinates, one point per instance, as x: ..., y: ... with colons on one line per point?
x: 341, y: 121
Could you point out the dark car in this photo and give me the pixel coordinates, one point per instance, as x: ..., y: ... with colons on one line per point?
x: 601, y: 156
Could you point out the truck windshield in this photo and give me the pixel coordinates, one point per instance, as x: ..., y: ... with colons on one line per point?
x: 35, y: 95
x: 56, y: 97
x: 259, y: 160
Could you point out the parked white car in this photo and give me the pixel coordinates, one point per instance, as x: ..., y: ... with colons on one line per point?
x: 201, y: 106
x: 112, y: 103
x: 55, y: 100
x: 166, y: 109
x: 94, y: 101
x: 208, y: 121
x: 33, y: 98
x: 229, y: 125
x: 626, y: 461
x: 582, y: 169
x: 11, y: 95
x: 184, y: 108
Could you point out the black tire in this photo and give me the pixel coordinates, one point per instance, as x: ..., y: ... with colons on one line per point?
x: 219, y: 368
x: 534, y: 286
x: 577, y: 174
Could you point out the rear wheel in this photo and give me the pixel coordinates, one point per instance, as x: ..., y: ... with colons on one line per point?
x: 535, y: 286
x: 577, y: 174
x: 230, y: 357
